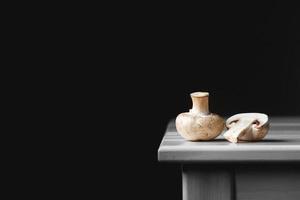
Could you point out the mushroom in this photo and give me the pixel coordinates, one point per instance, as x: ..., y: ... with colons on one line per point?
x: 199, y: 123
x: 246, y: 127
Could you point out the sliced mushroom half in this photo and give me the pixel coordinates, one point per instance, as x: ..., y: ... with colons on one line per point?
x: 247, y: 127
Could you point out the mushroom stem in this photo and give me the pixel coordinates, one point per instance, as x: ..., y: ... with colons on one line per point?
x: 200, y: 103
x: 238, y: 130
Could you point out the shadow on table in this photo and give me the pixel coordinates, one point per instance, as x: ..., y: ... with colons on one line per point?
x: 273, y: 140
x: 265, y: 141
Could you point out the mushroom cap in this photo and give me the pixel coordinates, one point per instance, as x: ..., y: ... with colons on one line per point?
x: 259, y: 119
x: 246, y: 127
x: 199, y: 127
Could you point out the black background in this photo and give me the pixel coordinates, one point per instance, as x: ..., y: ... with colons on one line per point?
x: 246, y: 55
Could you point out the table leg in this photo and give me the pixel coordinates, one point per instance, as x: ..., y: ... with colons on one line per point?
x: 207, y: 183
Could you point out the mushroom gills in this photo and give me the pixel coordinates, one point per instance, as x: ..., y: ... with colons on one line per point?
x: 246, y: 127
x: 240, y: 131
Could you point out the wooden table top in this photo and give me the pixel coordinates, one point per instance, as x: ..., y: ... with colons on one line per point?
x: 281, y: 144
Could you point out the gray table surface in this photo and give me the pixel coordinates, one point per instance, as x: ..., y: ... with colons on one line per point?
x: 281, y: 144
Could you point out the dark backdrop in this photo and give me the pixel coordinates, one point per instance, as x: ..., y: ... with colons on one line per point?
x: 245, y: 54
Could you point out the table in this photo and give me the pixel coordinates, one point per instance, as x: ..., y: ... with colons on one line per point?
x: 218, y: 169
